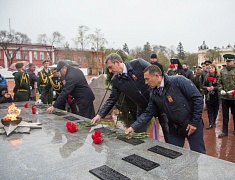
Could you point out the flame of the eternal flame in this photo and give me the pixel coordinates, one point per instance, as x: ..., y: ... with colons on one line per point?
x: 13, y: 113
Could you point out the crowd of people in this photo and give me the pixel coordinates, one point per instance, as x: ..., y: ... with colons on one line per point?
x: 176, y: 97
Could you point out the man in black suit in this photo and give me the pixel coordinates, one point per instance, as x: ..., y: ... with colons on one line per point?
x: 76, y: 85
x: 128, y: 78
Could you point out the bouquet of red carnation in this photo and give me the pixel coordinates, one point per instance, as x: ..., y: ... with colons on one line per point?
x: 96, y: 136
x: 210, y: 78
x: 26, y: 105
x: 71, y: 126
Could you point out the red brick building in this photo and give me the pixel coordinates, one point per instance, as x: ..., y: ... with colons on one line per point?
x: 34, y: 53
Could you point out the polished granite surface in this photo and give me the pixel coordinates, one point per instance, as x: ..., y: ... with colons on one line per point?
x: 54, y: 153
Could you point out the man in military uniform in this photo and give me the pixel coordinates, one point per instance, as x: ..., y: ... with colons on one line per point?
x: 198, y: 79
x: 43, y: 76
x: 32, y: 81
x: 226, y: 88
x: 21, y: 89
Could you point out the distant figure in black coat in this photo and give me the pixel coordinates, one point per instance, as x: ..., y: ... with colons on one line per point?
x: 153, y: 61
x: 4, y: 96
x: 76, y: 85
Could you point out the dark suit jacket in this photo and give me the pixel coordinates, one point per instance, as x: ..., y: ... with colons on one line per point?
x: 77, y: 86
x: 133, y: 86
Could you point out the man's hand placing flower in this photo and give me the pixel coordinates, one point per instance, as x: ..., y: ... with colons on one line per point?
x: 129, y: 130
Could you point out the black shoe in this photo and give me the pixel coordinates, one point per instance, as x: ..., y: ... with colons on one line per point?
x: 222, y: 135
x: 209, y: 127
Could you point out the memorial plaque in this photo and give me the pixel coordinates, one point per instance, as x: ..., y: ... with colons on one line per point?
x: 106, y: 173
x: 105, y: 130
x: 71, y: 118
x: 165, y: 152
x: 141, y: 162
x: 132, y: 141
x: 59, y: 113
x: 40, y: 106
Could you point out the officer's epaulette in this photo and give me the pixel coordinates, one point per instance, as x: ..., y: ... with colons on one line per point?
x: 51, y: 76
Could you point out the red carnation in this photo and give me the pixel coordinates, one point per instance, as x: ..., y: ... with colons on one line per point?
x: 70, y: 99
x: 98, y: 140
x: 98, y: 133
x: 209, y: 78
x: 96, y: 136
x: 71, y: 126
x: 233, y: 93
x: 34, y: 109
x: 26, y: 105
x: 172, y: 66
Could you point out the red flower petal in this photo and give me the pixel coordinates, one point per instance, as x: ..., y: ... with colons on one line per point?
x: 98, y: 133
x: 233, y: 93
x: 98, y: 140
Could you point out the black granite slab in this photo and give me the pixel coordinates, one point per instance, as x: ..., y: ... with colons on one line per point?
x: 165, y: 152
x: 59, y: 113
x: 105, y: 131
x: 106, y: 173
x: 141, y: 162
x: 71, y: 118
x: 132, y: 141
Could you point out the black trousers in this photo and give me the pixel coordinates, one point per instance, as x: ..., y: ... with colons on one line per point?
x: 226, y: 104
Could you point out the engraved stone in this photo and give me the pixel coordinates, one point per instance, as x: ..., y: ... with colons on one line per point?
x: 141, y: 162
x: 165, y: 152
x: 132, y: 141
x: 106, y: 173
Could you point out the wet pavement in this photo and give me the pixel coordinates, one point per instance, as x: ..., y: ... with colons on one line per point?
x: 222, y: 148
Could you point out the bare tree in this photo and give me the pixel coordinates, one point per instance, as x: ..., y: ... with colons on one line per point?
x: 12, y: 42
x: 50, y: 42
x: 98, y: 41
x: 83, y: 39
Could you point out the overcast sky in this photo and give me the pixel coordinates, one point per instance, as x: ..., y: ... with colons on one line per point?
x: 135, y: 22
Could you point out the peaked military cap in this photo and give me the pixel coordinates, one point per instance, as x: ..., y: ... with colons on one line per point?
x: 207, y: 62
x: 19, y: 65
x: 44, y: 61
x: 198, y: 67
x: 61, y: 64
x: 229, y: 57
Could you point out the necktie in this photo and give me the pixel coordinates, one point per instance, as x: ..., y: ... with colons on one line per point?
x: 160, y: 90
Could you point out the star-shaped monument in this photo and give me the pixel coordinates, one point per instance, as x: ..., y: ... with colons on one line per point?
x: 22, y: 127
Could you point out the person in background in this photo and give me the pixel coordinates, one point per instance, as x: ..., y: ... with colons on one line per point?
x: 32, y: 81
x: 128, y: 78
x: 188, y: 72
x: 198, y: 79
x: 5, y: 97
x: 22, y: 87
x: 227, y: 90
x: 180, y: 100
x: 75, y: 84
x: 42, y: 80
x: 3, y: 81
x: 153, y: 61
x: 175, y: 68
x: 210, y: 88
